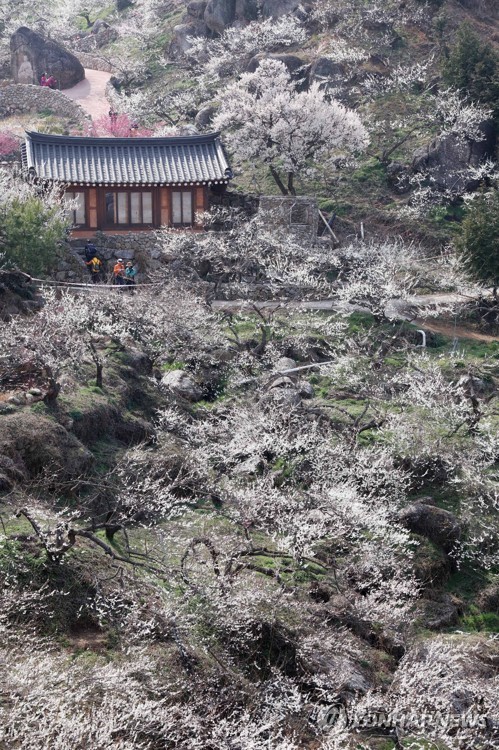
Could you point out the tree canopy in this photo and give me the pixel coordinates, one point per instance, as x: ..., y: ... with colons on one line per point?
x: 473, y: 67
x: 32, y: 226
x: 267, y: 119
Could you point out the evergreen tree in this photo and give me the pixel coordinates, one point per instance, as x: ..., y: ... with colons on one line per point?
x: 478, y: 244
x: 30, y: 234
x: 472, y: 67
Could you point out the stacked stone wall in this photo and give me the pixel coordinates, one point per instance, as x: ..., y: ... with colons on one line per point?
x: 142, y: 248
x: 295, y: 215
x: 19, y: 98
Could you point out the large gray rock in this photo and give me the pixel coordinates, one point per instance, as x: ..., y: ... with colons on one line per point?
x: 441, y: 611
x: 100, y: 35
x: 284, y: 363
x: 439, y: 526
x: 220, y: 14
x: 196, y: 8
x: 281, y: 382
x: 326, y: 70
x: 448, y: 158
x: 488, y: 599
x: 182, y: 385
x: 282, y: 395
x: 205, y: 116
x: 98, y: 26
x: 32, y: 55
x: 306, y: 389
x: 183, y: 35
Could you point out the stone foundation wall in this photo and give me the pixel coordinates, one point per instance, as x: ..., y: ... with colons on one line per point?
x: 295, y: 215
x: 142, y: 248
x: 18, y: 98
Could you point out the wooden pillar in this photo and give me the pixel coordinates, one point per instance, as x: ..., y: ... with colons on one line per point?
x: 92, y: 208
x: 165, y: 206
x: 200, y: 204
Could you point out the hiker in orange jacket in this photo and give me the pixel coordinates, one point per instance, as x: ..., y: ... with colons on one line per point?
x: 119, y: 272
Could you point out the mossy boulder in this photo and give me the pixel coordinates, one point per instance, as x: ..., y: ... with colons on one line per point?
x: 31, y: 444
x: 439, y: 526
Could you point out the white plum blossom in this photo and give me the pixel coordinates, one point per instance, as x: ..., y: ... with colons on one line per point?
x: 265, y: 118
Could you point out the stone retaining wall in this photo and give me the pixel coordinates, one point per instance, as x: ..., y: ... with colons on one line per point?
x: 295, y: 215
x: 142, y: 248
x: 19, y: 98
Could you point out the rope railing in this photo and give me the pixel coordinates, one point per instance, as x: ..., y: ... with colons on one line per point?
x: 93, y: 287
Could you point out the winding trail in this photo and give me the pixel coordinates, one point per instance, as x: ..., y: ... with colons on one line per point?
x: 91, y: 93
x: 395, y: 310
x: 451, y: 331
x: 398, y: 309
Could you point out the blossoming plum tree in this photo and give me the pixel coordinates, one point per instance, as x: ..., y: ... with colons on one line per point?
x: 266, y: 119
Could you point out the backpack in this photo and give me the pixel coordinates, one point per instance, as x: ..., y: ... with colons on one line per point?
x: 90, y: 251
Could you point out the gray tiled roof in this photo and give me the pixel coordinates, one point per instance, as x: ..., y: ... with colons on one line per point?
x: 194, y: 159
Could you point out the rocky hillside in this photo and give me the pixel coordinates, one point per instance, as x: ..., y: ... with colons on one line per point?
x: 275, y: 526
x: 400, y: 66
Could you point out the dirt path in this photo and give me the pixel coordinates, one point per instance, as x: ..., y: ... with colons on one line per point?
x: 397, y: 309
x: 448, y: 329
x: 91, y: 93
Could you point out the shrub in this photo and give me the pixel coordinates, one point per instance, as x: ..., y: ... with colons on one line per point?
x: 30, y: 234
x: 473, y: 67
x: 477, y: 244
x: 8, y: 144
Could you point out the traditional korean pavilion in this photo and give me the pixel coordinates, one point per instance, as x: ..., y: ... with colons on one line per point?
x: 128, y: 184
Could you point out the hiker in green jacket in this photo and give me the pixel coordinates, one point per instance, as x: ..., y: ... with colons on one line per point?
x: 130, y: 274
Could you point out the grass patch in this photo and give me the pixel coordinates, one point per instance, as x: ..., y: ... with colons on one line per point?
x: 472, y: 349
x: 41, y: 408
x: 322, y: 384
x: 477, y: 621
x: 92, y: 389
x: 359, y: 322
x: 467, y: 582
x: 170, y: 366
x: 371, y: 172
